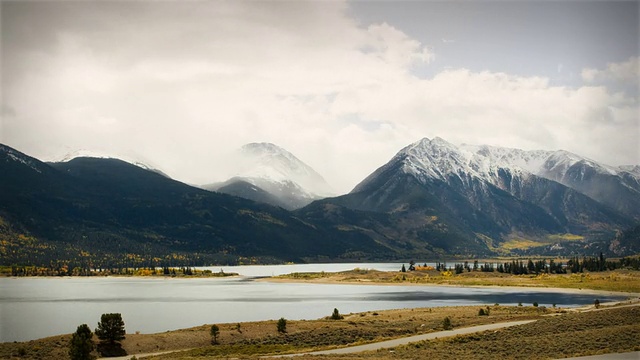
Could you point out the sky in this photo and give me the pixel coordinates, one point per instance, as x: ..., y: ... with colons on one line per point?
x: 343, y: 85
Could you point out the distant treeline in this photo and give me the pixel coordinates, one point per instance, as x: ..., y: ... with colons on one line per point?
x: 520, y: 267
x: 124, y: 271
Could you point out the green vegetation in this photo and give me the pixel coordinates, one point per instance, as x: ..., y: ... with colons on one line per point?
x: 215, y: 331
x: 596, y: 273
x: 111, y: 328
x: 81, y: 345
x: 282, y: 325
x: 111, y: 331
x: 446, y: 324
x: 336, y: 315
x: 64, y: 270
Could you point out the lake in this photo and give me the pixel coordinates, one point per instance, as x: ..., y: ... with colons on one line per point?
x: 32, y: 308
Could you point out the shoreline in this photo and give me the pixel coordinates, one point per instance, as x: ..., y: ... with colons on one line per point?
x: 569, y: 290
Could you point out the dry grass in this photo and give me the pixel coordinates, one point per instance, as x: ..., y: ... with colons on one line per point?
x: 305, y: 335
x: 618, y: 280
x: 575, y: 334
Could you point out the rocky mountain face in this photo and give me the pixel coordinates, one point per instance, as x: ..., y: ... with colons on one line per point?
x: 615, y: 187
x: 495, y: 194
x: 270, y: 174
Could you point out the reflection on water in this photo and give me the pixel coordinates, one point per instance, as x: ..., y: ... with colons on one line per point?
x: 32, y: 308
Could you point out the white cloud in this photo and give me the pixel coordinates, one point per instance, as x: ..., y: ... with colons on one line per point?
x: 627, y: 71
x: 183, y: 84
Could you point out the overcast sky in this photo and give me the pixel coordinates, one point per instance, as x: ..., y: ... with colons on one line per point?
x: 342, y: 85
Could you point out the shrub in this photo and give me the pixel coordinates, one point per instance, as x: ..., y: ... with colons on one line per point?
x: 282, y: 325
x: 446, y: 323
x: 336, y: 315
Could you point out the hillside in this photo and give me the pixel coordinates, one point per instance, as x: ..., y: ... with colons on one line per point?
x: 109, y: 210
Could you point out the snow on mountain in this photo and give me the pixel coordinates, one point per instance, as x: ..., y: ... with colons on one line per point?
x: 618, y: 188
x: 633, y: 170
x: 437, y: 158
x: 284, y: 180
x: 133, y: 160
x: 440, y: 160
x: 270, y: 162
x: 13, y: 155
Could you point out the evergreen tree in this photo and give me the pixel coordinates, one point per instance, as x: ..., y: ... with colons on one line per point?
x: 81, y: 344
x: 215, y: 331
x: 282, y: 325
x: 111, y: 328
x: 336, y: 315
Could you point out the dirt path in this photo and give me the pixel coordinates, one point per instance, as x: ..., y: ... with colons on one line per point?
x: 403, y: 341
x: 140, y: 356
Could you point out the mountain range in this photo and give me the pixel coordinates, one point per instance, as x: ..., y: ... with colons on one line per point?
x: 432, y: 200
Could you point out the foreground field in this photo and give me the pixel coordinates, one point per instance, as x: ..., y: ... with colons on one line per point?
x: 570, y: 335
x: 567, y: 333
x: 618, y: 280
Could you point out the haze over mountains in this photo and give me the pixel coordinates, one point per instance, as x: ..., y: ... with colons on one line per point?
x: 267, y: 173
x: 433, y: 199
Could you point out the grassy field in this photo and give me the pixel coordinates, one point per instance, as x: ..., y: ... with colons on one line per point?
x: 618, y: 280
x: 306, y: 335
x: 570, y: 335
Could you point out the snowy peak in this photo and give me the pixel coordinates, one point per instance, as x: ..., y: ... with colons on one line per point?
x: 11, y: 155
x: 439, y: 159
x: 511, y: 169
x: 84, y: 153
x: 270, y: 162
x: 433, y: 158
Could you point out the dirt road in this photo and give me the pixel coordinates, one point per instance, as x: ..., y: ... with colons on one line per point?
x: 406, y: 340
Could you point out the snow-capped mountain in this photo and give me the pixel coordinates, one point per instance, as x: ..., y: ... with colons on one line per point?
x: 492, y: 192
x: 84, y: 153
x: 268, y: 173
x: 509, y: 169
x: 616, y: 187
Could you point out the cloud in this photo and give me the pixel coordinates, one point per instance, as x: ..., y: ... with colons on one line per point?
x: 627, y: 71
x: 183, y: 84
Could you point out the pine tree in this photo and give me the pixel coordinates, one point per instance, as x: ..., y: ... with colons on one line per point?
x: 215, y: 330
x: 81, y: 345
x: 336, y: 315
x: 110, y: 328
x: 282, y: 325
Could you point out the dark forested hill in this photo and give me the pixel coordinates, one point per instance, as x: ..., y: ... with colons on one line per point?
x: 109, y: 208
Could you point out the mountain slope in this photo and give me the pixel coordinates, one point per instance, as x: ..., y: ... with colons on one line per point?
x: 111, y: 209
x: 617, y: 188
x: 477, y: 198
x: 289, y: 182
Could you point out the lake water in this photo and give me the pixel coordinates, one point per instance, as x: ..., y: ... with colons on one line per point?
x: 32, y: 308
